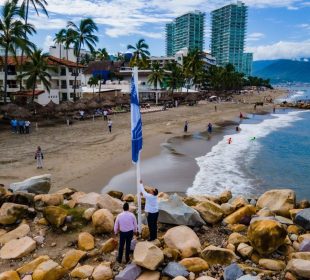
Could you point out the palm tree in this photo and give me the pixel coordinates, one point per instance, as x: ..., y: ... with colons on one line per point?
x: 60, y: 39
x: 157, y: 75
x: 140, y: 54
x: 93, y: 82
x: 102, y: 54
x: 12, y: 34
x: 82, y: 35
x: 174, y: 76
x: 37, y: 69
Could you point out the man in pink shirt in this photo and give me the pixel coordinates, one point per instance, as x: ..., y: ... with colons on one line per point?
x: 126, y: 225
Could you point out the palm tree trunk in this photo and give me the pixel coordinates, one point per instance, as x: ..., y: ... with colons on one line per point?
x: 99, y: 87
x: 76, y: 69
x: 6, y: 73
x: 59, y: 50
x: 33, y: 90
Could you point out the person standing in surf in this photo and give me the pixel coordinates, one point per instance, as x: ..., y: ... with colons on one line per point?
x: 185, y: 126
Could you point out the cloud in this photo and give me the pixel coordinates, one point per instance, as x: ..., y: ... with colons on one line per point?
x: 48, y: 41
x: 281, y: 49
x: 256, y: 36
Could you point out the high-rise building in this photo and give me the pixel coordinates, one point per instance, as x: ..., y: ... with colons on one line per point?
x: 186, y: 31
x: 228, y: 36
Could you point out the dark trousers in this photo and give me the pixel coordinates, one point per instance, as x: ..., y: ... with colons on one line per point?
x: 124, y: 237
x: 110, y: 128
x: 27, y: 129
x: 152, y: 223
x: 105, y: 118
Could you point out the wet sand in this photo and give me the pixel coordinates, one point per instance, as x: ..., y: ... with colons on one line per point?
x: 85, y: 156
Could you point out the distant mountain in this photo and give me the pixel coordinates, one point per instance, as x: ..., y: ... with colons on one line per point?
x: 283, y: 70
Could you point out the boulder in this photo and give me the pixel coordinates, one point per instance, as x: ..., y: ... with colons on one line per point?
x: 31, y: 266
x: 71, y: 258
x: 274, y: 265
x: 303, y: 237
x: 48, y: 270
x: 232, y: 272
x: 293, y: 229
x: 237, y: 227
x: 239, y: 201
x: 299, y: 267
x: 55, y: 215
x: 116, y: 194
x: 87, y: 200
x: 175, y: 211
x: 171, y: 254
x: 114, y: 205
x: 53, y: 199
x: 9, y: 275
x: 283, y: 220
x: 183, y: 239
x: 195, y: 264
x: 11, y: 212
x: 174, y: 269
x: 130, y: 272
x: 227, y: 208
x: 278, y: 201
x: 303, y: 218
x: 300, y: 255
x: 265, y: 212
x: 245, y: 250
x: 294, y: 212
x: 38, y: 184
x: 102, y: 272
x: 21, y: 231
x: 17, y: 248
x: 109, y: 246
x: 86, y: 241
x: 215, y: 255
x: 128, y: 198
x: 103, y: 221
x: 211, y: 212
x: 88, y: 213
x: 238, y: 216
x: 305, y: 246
x: 147, y: 255
x: 266, y: 236
x: 237, y: 238
x: 67, y: 192
x: 149, y: 275
x: 225, y: 196
x: 82, y: 272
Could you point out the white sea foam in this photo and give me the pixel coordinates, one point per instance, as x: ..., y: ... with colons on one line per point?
x: 225, y: 166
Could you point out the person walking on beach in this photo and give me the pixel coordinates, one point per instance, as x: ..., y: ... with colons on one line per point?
x: 185, y: 126
x: 241, y: 116
x: 27, y: 127
x: 126, y: 226
x: 215, y: 108
x: 21, y: 125
x: 39, y: 157
x: 110, y: 125
x: 105, y: 114
x: 274, y: 109
x: 14, y: 125
x: 151, y: 207
x: 210, y: 128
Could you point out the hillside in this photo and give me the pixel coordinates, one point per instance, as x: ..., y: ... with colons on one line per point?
x: 283, y: 70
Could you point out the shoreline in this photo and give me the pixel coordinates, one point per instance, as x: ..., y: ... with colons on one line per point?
x: 86, y: 157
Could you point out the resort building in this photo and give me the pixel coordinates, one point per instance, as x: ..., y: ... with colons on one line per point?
x: 62, y: 81
x: 228, y: 31
x: 186, y: 31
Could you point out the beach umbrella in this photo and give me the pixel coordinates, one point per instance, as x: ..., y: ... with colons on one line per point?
x: 64, y: 106
x: 93, y: 104
x: 11, y: 107
x: 79, y: 106
x: 19, y: 112
x: 192, y: 97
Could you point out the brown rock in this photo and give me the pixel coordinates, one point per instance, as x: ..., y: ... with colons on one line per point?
x: 302, y: 237
x: 147, y: 255
x: 114, y: 205
x: 11, y: 212
x: 145, y: 233
x: 31, y: 266
x: 103, y: 221
x: 215, y: 255
x: 240, y: 214
x: 279, y: 201
x: 103, y: 272
x: 274, y: 265
x: 183, y: 239
x: 237, y: 238
x: 88, y: 213
x: 231, y: 247
x: 294, y: 229
x: 227, y: 208
x: 116, y: 194
x: 9, y: 275
x: 210, y: 211
x: 266, y: 236
x: 245, y: 250
x: 239, y: 202
x: 82, y: 272
x: 86, y: 241
x: 299, y: 267
x: 48, y: 270
x: 17, y: 248
x: 237, y: 227
x: 19, y: 232
x: 205, y: 278
x: 128, y: 198
x: 171, y: 254
x: 71, y: 258
x: 265, y: 212
x: 149, y: 275
x: 303, y: 204
x: 294, y: 212
x: 109, y: 246
x: 300, y: 255
x: 53, y: 199
x: 55, y: 215
x: 195, y: 264
x: 225, y: 196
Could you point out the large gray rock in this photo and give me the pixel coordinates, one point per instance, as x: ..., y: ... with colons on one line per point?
x: 174, y: 269
x: 130, y: 272
x: 38, y: 184
x: 175, y: 211
x: 303, y: 218
x: 232, y: 272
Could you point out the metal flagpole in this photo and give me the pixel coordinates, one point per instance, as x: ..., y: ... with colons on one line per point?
x: 138, y: 170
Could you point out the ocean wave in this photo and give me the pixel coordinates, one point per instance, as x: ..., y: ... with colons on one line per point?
x: 225, y: 166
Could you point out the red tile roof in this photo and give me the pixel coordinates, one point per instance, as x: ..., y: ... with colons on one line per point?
x: 28, y: 93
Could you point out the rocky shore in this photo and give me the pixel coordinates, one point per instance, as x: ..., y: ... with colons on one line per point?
x: 68, y: 235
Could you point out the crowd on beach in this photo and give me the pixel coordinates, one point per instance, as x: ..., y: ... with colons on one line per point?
x: 20, y: 126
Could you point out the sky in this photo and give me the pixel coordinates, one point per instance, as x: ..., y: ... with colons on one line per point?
x: 276, y: 28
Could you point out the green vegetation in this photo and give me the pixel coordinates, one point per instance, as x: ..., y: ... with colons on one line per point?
x: 140, y: 54
x: 157, y: 76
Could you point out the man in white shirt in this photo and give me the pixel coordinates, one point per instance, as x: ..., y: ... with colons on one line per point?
x: 151, y: 207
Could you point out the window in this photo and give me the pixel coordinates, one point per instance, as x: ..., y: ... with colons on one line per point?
x: 62, y: 71
x: 63, y: 84
x: 12, y: 84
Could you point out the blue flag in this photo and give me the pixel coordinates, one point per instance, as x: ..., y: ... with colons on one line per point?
x: 136, y: 123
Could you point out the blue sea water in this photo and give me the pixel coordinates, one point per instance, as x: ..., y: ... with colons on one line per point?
x: 278, y: 156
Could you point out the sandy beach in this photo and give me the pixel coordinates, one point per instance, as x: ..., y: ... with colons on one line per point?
x: 86, y: 156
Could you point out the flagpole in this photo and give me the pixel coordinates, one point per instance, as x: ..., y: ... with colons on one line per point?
x: 138, y: 170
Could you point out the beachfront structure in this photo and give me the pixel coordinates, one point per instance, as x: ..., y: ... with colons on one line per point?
x: 62, y: 81
x: 60, y: 51
x: 186, y: 31
x: 228, y: 31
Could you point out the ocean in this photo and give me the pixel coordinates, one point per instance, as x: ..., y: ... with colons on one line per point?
x: 271, y: 151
